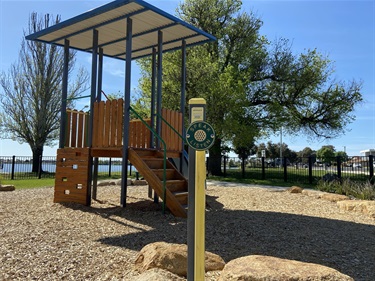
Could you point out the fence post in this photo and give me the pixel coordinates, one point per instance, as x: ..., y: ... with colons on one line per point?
x: 40, y: 167
x: 243, y: 167
x: 13, y: 167
x: 110, y: 167
x: 310, y: 170
x: 285, y: 170
x: 263, y: 169
x: 225, y: 165
x: 338, y: 160
x: 371, y: 168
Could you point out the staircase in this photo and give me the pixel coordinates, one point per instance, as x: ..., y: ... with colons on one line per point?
x: 149, y: 163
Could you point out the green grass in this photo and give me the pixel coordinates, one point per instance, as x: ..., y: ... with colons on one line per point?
x: 48, y: 182
x: 29, y: 183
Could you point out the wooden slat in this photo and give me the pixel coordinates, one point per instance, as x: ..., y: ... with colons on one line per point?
x: 95, y: 141
x: 119, y: 122
x: 113, y: 124
x: 81, y: 131
x: 67, y: 131
x: 174, y: 138
x: 180, y: 121
x: 107, y: 122
x: 86, y: 131
x: 101, y: 124
x: 73, y: 136
x: 147, y: 135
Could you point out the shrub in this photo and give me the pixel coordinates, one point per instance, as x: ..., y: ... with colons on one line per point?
x: 359, y: 190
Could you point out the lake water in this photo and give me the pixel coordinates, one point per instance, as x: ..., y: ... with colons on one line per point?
x: 6, y: 168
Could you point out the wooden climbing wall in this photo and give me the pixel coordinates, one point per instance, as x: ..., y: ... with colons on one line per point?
x: 71, y: 181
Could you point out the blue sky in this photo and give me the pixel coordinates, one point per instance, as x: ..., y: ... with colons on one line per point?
x: 343, y: 30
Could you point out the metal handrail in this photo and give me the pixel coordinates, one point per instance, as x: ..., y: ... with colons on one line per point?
x: 181, y: 137
x: 164, y: 155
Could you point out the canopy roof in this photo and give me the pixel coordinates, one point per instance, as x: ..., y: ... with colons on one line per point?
x: 111, y: 22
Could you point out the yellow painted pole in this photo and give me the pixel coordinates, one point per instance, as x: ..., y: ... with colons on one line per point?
x: 200, y: 205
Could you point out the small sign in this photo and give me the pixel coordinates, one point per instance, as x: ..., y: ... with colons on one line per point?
x: 200, y: 135
x: 197, y: 114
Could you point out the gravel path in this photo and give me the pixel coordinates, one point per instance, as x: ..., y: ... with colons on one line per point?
x: 40, y: 240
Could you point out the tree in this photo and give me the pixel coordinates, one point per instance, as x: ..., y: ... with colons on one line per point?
x: 326, y: 154
x: 252, y: 83
x: 305, y: 154
x: 342, y: 154
x: 31, y: 98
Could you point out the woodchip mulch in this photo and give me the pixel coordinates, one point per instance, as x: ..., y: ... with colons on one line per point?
x: 40, y: 240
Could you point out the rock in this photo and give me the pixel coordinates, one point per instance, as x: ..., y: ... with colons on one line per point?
x: 333, y: 197
x: 157, y: 274
x: 313, y: 193
x: 7, y: 187
x: 172, y: 257
x: 294, y: 189
x: 271, y: 268
x: 113, y: 182
x: 362, y: 206
x: 139, y: 182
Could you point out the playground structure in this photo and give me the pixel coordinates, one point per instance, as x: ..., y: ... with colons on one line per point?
x: 125, y: 30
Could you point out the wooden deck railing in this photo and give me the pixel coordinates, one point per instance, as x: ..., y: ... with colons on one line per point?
x: 171, y: 138
x: 76, y: 128
x: 108, y: 123
x: 108, y: 128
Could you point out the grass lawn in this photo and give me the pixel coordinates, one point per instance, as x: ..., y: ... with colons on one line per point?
x: 29, y: 183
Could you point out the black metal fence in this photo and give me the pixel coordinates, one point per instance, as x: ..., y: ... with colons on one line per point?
x: 303, y: 170
x: 20, y: 167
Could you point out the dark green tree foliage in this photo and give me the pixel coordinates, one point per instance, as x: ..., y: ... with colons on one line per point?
x: 31, y: 97
x: 253, y: 86
x: 342, y: 154
x: 326, y: 154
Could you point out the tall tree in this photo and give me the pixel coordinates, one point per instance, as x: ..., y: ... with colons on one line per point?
x: 31, y: 98
x: 326, y: 154
x: 251, y: 82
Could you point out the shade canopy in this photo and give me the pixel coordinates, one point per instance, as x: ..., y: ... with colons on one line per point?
x: 110, y: 21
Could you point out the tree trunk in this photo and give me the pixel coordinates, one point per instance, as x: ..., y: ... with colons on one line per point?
x: 214, y: 162
x: 37, y: 154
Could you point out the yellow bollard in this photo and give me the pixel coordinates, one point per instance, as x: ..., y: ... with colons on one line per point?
x: 200, y: 208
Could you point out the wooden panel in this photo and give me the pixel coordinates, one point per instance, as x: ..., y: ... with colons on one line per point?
x: 71, y: 180
x: 172, y: 139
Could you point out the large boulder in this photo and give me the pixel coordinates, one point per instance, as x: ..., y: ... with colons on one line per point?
x: 295, y: 189
x: 362, y: 206
x: 157, y: 274
x: 333, y: 197
x: 7, y: 187
x: 172, y: 257
x: 257, y: 268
